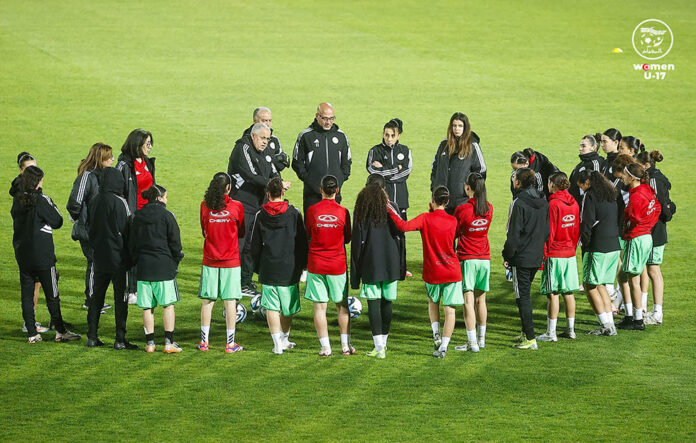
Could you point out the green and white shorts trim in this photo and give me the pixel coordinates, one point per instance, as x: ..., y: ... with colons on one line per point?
x: 475, y: 274
x: 449, y: 293
x: 375, y: 291
x: 636, y: 253
x: 157, y: 293
x: 285, y: 299
x: 320, y: 288
x: 599, y: 268
x: 560, y: 276
x: 222, y: 283
x: 656, y: 255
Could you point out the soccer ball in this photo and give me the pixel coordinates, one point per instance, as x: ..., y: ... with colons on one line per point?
x: 241, y: 313
x: 255, y: 303
x: 354, y: 307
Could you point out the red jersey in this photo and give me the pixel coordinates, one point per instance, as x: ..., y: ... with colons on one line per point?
x: 144, y: 178
x: 328, y: 228
x: 438, y: 230
x: 641, y: 212
x: 221, y: 230
x: 564, y: 223
x: 472, y: 232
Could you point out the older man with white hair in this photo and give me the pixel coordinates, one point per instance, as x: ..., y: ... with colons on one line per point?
x: 279, y: 158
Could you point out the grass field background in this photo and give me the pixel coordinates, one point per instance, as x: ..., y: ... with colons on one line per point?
x: 533, y: 74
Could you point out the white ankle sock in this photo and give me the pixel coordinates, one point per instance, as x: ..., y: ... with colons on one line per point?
x: 551, y: 325
x: 345, y: 339
x: 324, y: 342
x: 384, y: 340
x: 436, y: 327
x: 482, y: 332
x: 377, y: 339
x: 205, y: 331
x: 644, y: 300
x: 445, y: 343
x: 471, y: 336
x: 657, y: 308
x: 277, y: 341
x: 638, y: 314
x: 629, y: 309
x: 571, y: 323
x: 230, y: 336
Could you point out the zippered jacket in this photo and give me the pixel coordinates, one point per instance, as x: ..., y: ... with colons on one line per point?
x: 564, y: 225
x: 328, y: 231
x: 221, y: 231
x: 250, y: 171
x: 527, y: 230
x: 85, y: 189
x: 155, y: 243
x: 273, y: 146
x: 472, y: 232
x: 591, y: 161
x: 661, y: 186
x: 396, y: 167
x: 454, y: 171
x: 599, y: 231
x: 127, y: 168
x: 33, y: 231
x: 641, y: 213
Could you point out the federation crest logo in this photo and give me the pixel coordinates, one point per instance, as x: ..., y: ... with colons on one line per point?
x: 652, y: 39
x: 268, y: 158
x: 272, y: 145
x: 400, y: 156
x: 335, y: 140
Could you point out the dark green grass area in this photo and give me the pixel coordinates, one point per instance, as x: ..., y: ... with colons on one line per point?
x: 527, y: 74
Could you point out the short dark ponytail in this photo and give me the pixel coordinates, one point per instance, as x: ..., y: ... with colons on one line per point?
x: 152, y: 193
x: 441, y: 196
x: 329, y: 184
x: 28, y: 181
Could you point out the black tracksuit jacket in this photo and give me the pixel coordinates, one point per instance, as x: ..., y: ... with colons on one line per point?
x: 250, y: 170
x: 273, y: 146
x: 279, y: 247
x: 33, y: 231
x: 108, y: 224
x: 395, y: 178
x: 84, y: 190
x: 14, y: 187
x: 453, y: 171
x: 155, y: 243
x: 591, y: 161
x: 661, y: 186
x: 125, y: 165
x: 599, y: 231
x: 319, y: 152
x: 527, y: 229
x: 543, y: 168
x: 377, y: 254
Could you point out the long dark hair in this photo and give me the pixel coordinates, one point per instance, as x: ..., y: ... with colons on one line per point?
x: 215, y: 194
x: 478, y: 184
x: 28, y: 181
x: 634, y: 143
x: 134, y: 143
x: 600, y: 187
x: 461, y: 145
x: 613, y: 133
x: 371, y: 205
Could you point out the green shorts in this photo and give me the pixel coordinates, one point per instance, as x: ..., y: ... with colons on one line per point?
x: 622, y: 243
x: 475, y: 274
x: 375, y: 291
x: 322, y: 287
x: 157, y: 293
x: 222, y: 283
x: 560, y: 276
x: 655, y: 257
x: 450, y: 293
x: 636, y: 253
x: 285, y: 299
x: 599, y: 268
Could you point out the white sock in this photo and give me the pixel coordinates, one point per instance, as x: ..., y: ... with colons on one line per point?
x: 638, y: 314
x: 377, y: 339
x: 384, y: 340
x: 551, y: 325
x: 345, y: 340
x: 644, y: 300
x: 629, y: 309
x: 471, y: 335
x: 571, y: 323
x: 436, y: 327
x: 286, y: 338
x: 445, y: 343
x: 606, y: 319
x: 325, y: 343
x: 610, y: 289
x: 482, y: 332
x: 277, y: 341
x: 657, y: 308
x: 230, y: 336
x: 599, y: 318
x: 205, y: 330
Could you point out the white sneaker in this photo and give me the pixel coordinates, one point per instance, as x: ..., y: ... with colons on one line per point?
x: 473, y: 347
x: 651, y: 318
x: 67, y: 336
x: 35, y: 338
x: 133, y: 298
x: 39, y: 328
x: 547, y: 337
x: 481, y: 344
x: 277, y: 351
x: 569, y: 333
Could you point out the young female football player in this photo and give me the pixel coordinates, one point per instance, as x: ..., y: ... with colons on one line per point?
x: 537, y: 162
x: 589, y: 159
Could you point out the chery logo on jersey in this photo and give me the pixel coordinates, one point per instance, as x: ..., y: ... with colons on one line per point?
x: 327, y: 221
x: 481, y: 224
x: 569, y: 220
x: 220, y: 217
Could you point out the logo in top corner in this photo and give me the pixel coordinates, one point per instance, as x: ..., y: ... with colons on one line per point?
x: 652, y: 39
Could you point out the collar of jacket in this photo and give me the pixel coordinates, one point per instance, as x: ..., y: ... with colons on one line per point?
x: 589, y: 156
x: 317, y: 127
x: 388, y: 147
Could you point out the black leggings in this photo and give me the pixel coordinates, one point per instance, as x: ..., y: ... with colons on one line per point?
x: 522, y: 284
x: 380, y: 314
x: 49, y: 284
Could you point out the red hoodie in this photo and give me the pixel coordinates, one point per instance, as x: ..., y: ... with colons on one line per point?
x: 641, y: 213
x: 328, y: 228
x: 275, y: 208
x: 221, y: 231
x: 472, y: 232
x: 564, y: 223
x: 438, y: 230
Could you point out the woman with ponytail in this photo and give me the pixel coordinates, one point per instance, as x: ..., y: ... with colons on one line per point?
x: 599, y: 237
x: 537, y: 162
x: 610, y: 140
x: 155, y: 245
x: 457, y: 156
x: 34, y: 217
x: 641, y: 214
x: 474, y: 254
x: 661, y: 186
x: 222, y: 223
x: 589, y: 159
x: 631, y: 146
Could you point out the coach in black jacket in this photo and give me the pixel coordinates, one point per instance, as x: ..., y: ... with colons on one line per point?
x: 321, y: 149
x: 527, y: 231
x: 109, y: 220
x: 274, y: 149
x: 395, y: 166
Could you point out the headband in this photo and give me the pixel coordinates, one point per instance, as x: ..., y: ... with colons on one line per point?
x: 629, y: 173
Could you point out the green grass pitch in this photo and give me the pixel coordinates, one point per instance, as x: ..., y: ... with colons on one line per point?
x: 537, y: 74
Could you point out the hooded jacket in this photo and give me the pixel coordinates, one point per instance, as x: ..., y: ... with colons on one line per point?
x: 127, y: 168
x: 14, y: 187
x: 454, y: 171
x: 275, y: 150
x: 328, y: 231
x: 319, y: 152
x: 279, y: 244
x: 155, y: 243
x: 527, y: 230
x: 591, y: 161
x: 641, y: 213
x: 108, y: 224
x: 33, y: 231
x: 564, y: 225
x: 222, y: 230
x: 599, y: 231
x: 472, y: 231
x: 85, y: 189
x: 543, y: 168
x: 661, y: 186
x: 396, y: 167
x: 377, y: 252
x: 250, y: 170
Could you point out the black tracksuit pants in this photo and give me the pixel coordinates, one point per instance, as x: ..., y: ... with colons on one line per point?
x: 49, y: 284
x: 88, y: 252
x: 522, y: 283
x: 247, y: 271
x: 101, y: 284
